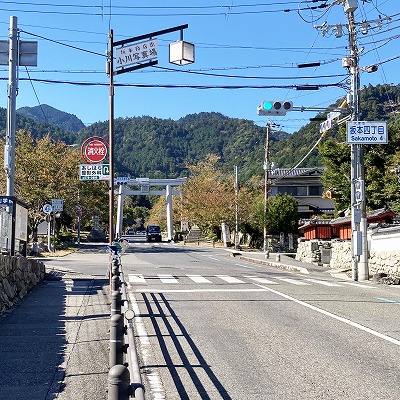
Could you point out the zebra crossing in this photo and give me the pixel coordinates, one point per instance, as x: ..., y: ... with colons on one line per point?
x: 168, y: 279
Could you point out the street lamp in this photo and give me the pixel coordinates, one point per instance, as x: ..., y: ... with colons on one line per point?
x: 130, y: 59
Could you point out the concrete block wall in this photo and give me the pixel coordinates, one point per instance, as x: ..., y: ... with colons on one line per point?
x: 18, y: 275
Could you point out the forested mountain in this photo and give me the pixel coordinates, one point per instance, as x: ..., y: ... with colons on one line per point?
x: 36, y: 128
x: 152, y: 147
x: 45, y: 113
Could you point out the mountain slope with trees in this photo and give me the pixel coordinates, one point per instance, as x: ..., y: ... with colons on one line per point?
x: 48, y: 114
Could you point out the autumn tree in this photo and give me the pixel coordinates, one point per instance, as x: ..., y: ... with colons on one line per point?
x: 208, y: 196
x: 46, y: 169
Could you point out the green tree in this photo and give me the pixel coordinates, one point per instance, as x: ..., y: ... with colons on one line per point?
x: 282, y: 215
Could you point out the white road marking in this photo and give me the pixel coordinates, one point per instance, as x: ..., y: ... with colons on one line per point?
x: 229, y: 279
x: 329, y: 314
x: 244, y: 266
x: 358, y: 285
x: 293, y: 281
x: 155, y: 384
x: 262, y: 280
x: 167, y: 278
x: 198, y: 279
x: 150, y: 290
x: 324, y: 283
x: 136, y: 278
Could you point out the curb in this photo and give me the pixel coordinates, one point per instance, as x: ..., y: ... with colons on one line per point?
x: 277, y: 265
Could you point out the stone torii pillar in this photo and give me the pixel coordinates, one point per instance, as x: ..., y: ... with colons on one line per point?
x: 145, y: 185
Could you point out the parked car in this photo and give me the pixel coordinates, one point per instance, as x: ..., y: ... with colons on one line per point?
x: 153, y: 232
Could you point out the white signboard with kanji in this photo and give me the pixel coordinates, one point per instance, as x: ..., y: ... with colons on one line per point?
x: 137, y: 53
x: 366, y: 132
x: 94, y: 172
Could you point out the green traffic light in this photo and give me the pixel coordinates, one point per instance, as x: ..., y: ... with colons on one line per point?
x: 267, y: 105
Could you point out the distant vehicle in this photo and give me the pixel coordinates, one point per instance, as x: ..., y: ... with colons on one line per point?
x: 153, y: 232
x: 130, y: 231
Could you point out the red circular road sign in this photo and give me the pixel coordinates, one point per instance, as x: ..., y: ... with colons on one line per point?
x: 94, y: 149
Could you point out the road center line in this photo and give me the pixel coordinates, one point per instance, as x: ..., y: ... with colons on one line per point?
x: 329, y: 314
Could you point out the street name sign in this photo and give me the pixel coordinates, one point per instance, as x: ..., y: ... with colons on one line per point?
x: 137, y: 53
x: 57, y: 205
x: 94, y: 172
x: 366, y: 132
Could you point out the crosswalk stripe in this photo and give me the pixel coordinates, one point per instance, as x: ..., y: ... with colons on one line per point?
x: 136, y: 278
x: 198, y: 279
x: 262, y: 280
x: 229, y: 279
x: 167, y: 278
x: 293, y: 281
x: 325, y: 283
x: 360, y: 285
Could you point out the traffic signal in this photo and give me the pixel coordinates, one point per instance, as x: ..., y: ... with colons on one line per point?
x: 274, y: 107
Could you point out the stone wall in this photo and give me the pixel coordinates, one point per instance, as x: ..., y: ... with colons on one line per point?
x: 18, y: 275
x: 381, y: 261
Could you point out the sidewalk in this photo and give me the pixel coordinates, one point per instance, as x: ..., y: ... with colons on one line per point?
x: 54, y: 343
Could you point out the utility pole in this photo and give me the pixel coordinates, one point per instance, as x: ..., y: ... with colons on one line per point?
x: 358, y: 208
x: 236, y: 208
x: 9, y: 149
x: 266, y: 186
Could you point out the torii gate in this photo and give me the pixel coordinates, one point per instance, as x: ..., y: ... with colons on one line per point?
x: 145, y: 185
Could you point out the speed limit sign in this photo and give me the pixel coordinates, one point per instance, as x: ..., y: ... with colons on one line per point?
x: 47, y: 208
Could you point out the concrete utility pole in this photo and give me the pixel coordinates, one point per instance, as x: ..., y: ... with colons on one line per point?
x: 358, y: 209
x: 9, y: 149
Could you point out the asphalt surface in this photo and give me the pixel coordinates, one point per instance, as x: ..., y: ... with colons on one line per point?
x: 54, y: 342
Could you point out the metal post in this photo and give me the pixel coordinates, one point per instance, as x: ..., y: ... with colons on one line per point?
x: 116, y: 340
x: 168, y: 200
x: 115, y: 300
x: 9, y: 149
x: 118, y: 383
x: 120, y: 210
x: 111, y: 138
x: 236, y: 209
x: 266, y: 188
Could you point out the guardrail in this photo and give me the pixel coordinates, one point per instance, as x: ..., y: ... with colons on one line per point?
x: 124, y: 379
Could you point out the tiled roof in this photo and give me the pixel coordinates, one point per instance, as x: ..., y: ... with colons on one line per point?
x: 293, y: 172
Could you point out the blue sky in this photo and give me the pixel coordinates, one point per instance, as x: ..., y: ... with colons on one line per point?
x: 248, y: 47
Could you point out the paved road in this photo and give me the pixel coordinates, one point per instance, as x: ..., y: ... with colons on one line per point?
x: 211, y: 326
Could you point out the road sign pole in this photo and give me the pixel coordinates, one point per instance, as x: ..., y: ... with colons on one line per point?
x: 111, y: 138
x: 9, y: 159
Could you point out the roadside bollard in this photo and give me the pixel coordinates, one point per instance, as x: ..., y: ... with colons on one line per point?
x: 115, y: 302
x: 115, y: 268
x: 116, y: 340
x: 115, y: 282
x: 118, y: 383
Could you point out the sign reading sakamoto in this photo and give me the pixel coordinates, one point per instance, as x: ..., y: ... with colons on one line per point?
x: 366, y: 132
x: 137, y: 53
